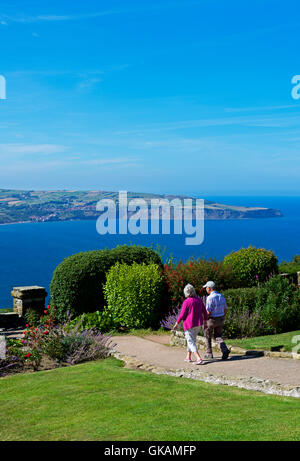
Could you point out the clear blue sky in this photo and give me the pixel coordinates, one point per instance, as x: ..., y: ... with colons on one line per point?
x: 162, y: 96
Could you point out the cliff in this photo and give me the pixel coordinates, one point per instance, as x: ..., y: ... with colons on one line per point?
x: 40, y: 206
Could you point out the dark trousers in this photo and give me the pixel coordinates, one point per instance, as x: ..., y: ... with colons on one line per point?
x: 214, y: 329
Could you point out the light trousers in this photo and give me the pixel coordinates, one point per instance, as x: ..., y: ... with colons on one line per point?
x: 190, y: 336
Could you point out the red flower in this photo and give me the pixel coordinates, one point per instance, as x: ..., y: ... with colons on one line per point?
x: 46, y: 332
x: 48, y: 307
x: 28, y: 355
x: 26, y: 325
x: 45, y: 312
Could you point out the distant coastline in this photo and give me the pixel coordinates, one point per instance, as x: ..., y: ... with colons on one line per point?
x: 21, y: 206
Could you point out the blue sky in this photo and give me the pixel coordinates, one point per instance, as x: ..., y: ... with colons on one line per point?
x: 151, y: 96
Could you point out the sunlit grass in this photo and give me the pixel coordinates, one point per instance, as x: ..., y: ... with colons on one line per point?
x: 103, y: 401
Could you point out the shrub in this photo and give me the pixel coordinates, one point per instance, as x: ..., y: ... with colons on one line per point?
x: 251, y: 265
x: 270, y: 308
x: 169, y: 321
x: 77, y: 282
x: 197, y: 272
x: 63, y: 343
x: 87, y: 345
x: 134, y: 295
x: 291, y: 267
x: 241, y: 299
x: 279, y: 302
x: 14, y: 358
x: 242, y: 324
x: 100, y: 319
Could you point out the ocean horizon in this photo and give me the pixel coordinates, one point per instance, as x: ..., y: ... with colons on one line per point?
x: 29, y: 252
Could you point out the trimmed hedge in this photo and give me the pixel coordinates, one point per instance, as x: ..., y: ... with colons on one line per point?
x: 271, y: 308
x: 134, y: 295
x: 252, y: 265
x: 77, y: 282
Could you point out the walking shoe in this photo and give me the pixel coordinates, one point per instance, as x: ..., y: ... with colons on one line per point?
x: 225, y: 354
x: 187, y: 360
x: 208, y: 356
x: 199, y: 362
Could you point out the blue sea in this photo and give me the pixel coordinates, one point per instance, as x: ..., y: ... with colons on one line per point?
x: 30, y: 252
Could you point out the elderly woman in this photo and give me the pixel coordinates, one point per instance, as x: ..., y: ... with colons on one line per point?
x: 193, y: 314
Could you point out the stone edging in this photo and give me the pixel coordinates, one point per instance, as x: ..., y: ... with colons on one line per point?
x: 178, y: 339
x: 250, y: 383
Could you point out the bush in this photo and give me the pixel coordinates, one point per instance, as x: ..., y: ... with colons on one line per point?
x: 100, y: 320
x: 134, y: 295
x: 291, y: 267
x: 252, y: 265
x: 240, y: 321
x: 270, y: 308
x: 169, y: 321
x: 63, y: 343
x: 243, y: 325
x: 15, y: 357
x: 77, y: 282
x: 197, y: 272
x: 241, y: 299
x: 279, y: 302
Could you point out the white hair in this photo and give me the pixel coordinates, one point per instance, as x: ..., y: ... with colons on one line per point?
x: 189, y: 291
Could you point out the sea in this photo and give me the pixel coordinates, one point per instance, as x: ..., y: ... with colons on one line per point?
x: 29, y: 252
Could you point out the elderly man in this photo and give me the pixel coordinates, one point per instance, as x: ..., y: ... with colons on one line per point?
x: 216, y: 309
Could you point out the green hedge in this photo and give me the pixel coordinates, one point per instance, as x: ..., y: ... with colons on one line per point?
x: 134, y: 295
x: 291, y: 267
x: 270, y: 308
x: 252, y: 265
x: 77, y: 282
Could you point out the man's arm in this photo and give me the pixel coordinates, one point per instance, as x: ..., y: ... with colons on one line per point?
x: 208, y: 306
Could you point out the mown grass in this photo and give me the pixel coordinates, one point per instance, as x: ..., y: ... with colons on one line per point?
x: 101, y: 400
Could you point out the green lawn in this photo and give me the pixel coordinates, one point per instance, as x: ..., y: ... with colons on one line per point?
x: 101, y: 400
x: 272, y: 342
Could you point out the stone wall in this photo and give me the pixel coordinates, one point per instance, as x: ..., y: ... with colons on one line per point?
x: 24, y: 299
x: 29, y: 298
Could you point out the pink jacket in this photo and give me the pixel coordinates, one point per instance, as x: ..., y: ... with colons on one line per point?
x: 193, y: 313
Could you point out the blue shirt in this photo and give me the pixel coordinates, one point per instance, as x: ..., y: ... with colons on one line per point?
x: 216, y: 304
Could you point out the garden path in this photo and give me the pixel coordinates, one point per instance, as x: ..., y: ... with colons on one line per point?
x: 153, y: 350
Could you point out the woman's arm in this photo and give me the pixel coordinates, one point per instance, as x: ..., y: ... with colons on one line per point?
x: 182, y: 315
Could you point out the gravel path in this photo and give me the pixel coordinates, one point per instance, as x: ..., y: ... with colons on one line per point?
x: 153, y: 350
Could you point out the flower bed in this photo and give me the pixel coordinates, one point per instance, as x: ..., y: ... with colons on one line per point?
x: 47, y: 344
